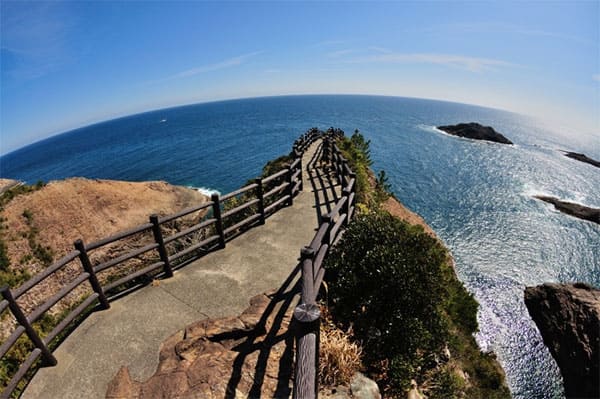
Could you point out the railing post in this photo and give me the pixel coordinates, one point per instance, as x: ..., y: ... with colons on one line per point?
x: 346, y: 206
x: 326, y: 150
x: 290, y: 187
x: 308, y: 317
x: 217, y: 214
x: 346, y: 178
x: 47, y: 356
x: 93, y: 279
x: 327, y: 237
x: 301, y: 187
x: 261, y: 199
x: 162, y: 250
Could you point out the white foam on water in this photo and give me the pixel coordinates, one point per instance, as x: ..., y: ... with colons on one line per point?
x: 205, y: 190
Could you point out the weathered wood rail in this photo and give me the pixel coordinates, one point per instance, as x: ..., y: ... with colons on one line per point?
x: 259, y: 200
x: 307, y: 313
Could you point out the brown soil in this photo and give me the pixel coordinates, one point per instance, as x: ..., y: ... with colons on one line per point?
x: 64, y: 211
x: 393, y: 206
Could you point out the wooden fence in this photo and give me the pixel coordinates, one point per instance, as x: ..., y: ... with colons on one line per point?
x: 307, y: 313
x: 258, y: 201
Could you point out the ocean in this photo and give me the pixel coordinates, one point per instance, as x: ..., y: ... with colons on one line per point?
x: 476, y: 195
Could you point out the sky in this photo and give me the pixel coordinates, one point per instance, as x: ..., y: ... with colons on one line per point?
x: 69, y: 64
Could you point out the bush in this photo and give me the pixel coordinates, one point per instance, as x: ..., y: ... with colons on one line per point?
x: 386, y: 281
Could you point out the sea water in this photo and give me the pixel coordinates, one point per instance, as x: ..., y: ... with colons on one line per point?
x: 478, y: 196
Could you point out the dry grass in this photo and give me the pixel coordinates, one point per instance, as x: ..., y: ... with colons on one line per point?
x: 339, y: 358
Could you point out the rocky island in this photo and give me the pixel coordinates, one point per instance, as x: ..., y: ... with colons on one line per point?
x: 475, y: 131
x: 582, y: 158
x: 568, y: 317
x: 570, y: 208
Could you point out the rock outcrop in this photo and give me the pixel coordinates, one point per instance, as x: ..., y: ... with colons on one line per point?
x: 583, y: 158
x: 568, y: 317
x: 475, y: 131
x: 361, y: 387
x: 249, y: 356
x: 570, y: 208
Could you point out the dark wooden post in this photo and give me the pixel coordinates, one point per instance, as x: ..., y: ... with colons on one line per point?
x: 261, y: 199
x: 301, y: 177
x: 93, y: 279
x: 217, y: 214
x: 162, y: 250
x: 47, y: 356
x: 327, y: 237
x: 346, y: 207
x: 346, y: 168
x: 290, y: 187
x: 308, y: 318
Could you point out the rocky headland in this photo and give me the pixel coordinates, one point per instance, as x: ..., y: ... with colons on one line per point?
x: 582, y: 158
x: 570, y: 208
x: 475, y: 131
x: 568, y: 317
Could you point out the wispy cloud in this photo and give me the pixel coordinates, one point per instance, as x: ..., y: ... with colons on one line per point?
x: 328, y: 43
x: 596, y: 77
x: 381, y: 50
x: 503, y: 28
x: 34, y: 38
x: 228, y: 63
x: 340, y: 53
x: 473, y: 64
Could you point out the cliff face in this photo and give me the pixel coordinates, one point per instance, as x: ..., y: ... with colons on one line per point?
x: 568, y: 317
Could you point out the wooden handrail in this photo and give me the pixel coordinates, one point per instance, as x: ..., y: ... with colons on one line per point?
x: 307, y: 313
x: 24, y: 321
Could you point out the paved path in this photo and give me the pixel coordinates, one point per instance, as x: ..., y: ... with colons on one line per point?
x: 217, y: 285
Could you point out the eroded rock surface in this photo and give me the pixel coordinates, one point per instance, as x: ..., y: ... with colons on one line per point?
x: 248, y: 356
x: 568, y: 317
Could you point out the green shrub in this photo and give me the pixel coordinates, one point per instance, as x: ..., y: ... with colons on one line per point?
x: 386, y: 280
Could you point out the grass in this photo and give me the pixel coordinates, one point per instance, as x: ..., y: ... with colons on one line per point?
x: 339, y: 357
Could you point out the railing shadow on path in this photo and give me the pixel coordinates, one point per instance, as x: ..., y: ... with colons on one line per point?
x: 323, y: 185
x: 271, y: 337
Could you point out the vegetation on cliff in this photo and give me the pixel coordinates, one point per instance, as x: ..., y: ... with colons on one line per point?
x: 395, y: 287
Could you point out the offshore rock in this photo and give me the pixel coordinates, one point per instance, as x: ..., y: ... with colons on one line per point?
x: 568, y: 317
x: 583, y: 158
x: 577, y: 210
x: 475, y: 131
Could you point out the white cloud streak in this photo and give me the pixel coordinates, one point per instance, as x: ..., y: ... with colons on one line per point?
x: 472, y: 64
x: 228, y: 63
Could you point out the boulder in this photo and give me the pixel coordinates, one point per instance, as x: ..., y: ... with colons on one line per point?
x: 568, y: 317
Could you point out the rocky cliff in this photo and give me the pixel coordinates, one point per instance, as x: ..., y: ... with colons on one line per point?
x: 568, y: 317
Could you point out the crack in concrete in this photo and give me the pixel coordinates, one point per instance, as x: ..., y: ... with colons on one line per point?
x: 183, y: 302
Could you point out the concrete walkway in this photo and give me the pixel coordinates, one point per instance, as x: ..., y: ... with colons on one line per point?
x: 217, y: 285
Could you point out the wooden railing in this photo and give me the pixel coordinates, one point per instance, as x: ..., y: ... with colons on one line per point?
x: 258, y: 201
x: 307, y: 314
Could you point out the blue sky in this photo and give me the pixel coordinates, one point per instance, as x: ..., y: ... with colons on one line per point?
x: 69, y: 64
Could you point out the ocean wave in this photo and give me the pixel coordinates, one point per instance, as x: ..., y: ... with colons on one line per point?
x: 205, y: 190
